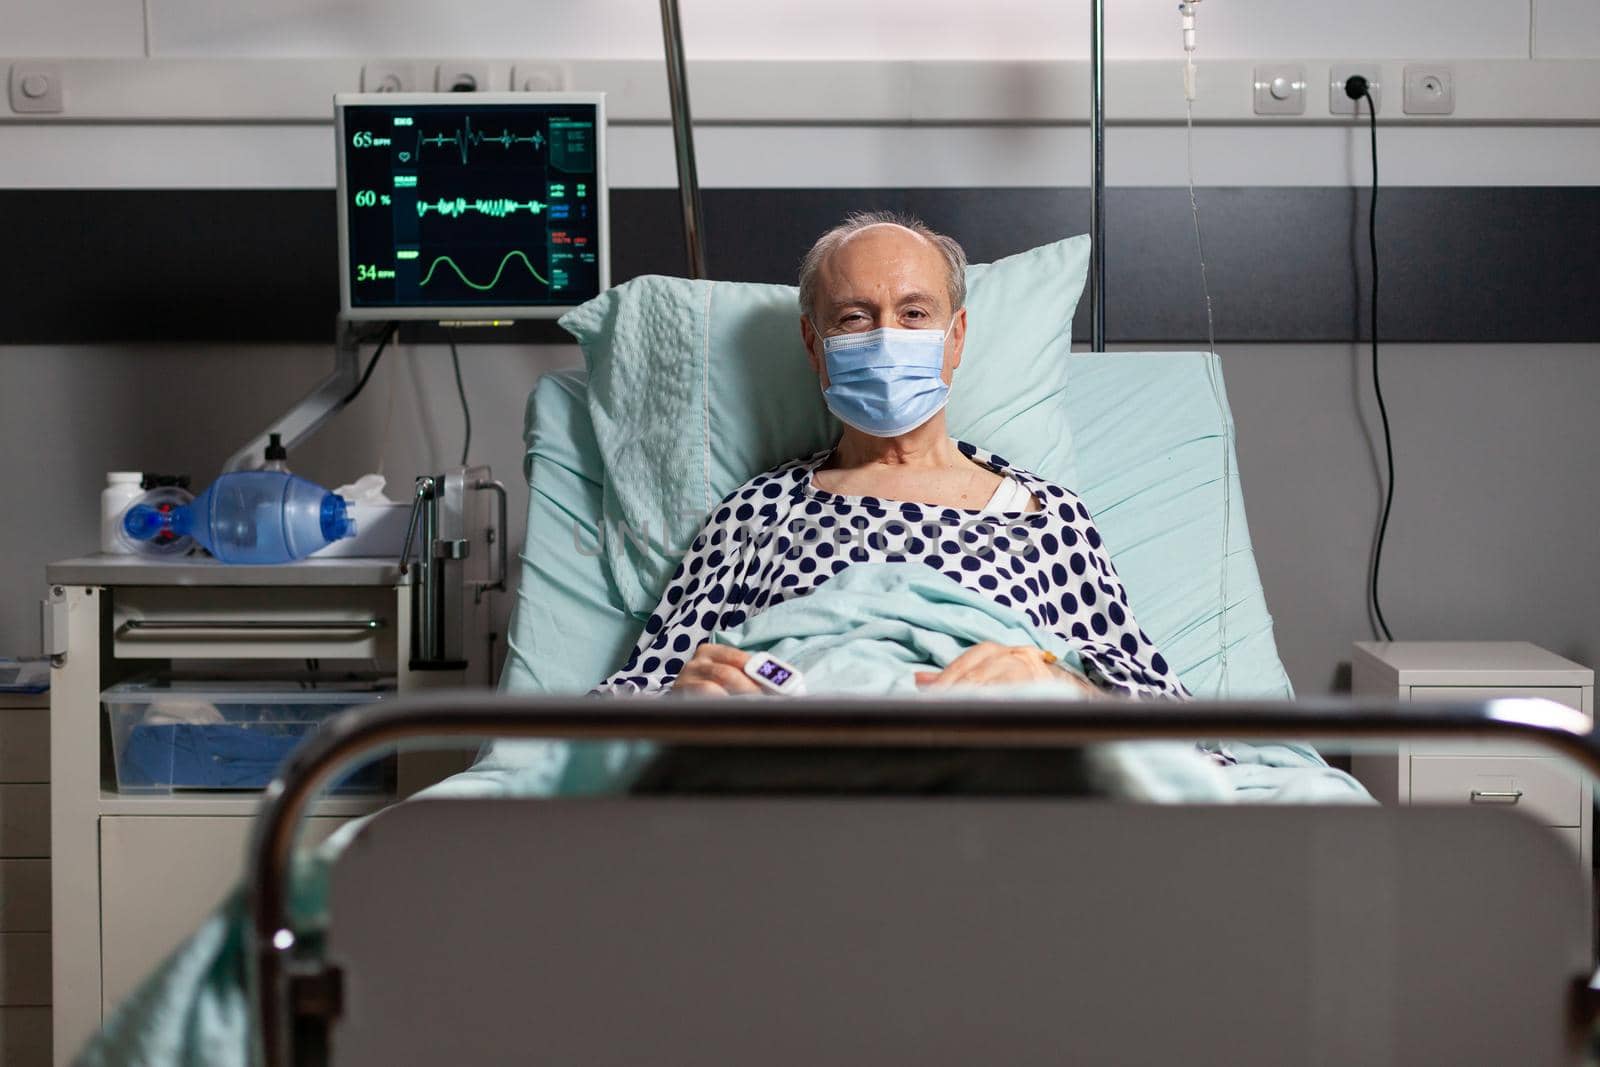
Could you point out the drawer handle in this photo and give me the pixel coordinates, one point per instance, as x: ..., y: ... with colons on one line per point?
x: 281, y: 628
x: 1496, y: 796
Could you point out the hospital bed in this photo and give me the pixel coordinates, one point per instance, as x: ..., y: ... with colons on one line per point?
x: 841, y: 928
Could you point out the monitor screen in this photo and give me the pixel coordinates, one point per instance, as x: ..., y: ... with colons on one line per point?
x: 471, y: 207
x: 773, y: 671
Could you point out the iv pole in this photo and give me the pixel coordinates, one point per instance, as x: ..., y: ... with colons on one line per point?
x: 683, y: 137
x: 1097, y: 168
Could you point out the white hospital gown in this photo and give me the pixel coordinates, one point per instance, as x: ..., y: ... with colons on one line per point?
x: 778, y: 536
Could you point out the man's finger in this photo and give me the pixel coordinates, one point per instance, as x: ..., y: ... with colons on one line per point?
x: 733, y: 680
x: 722, y: 654
x: 958, y: 668
x: 691, y: 685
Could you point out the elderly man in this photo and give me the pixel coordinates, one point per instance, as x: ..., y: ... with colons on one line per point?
x: 883, y: 317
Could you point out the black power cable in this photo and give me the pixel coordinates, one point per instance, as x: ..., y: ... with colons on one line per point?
x: 372, y: 363
x: 1356, y: 88
x: 466, y: 411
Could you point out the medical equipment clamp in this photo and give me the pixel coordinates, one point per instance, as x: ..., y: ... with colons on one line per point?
x: 441, y: 510
x: 293, y: 997
x: 683, y: 137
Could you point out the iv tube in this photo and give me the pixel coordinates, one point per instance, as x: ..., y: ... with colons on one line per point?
x: 1186, y: 17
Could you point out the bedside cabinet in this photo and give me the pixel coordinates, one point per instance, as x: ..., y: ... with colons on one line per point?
x: 1483, y: 773
x: 134, y: 872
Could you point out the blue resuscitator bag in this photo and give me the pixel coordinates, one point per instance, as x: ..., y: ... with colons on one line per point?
x: 251, y: 517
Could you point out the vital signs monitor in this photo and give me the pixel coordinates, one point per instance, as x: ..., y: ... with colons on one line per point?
x: 477, y: 207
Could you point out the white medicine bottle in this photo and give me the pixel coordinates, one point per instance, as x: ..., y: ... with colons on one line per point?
x: 122, y: 489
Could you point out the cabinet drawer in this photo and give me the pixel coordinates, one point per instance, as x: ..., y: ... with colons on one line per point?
x: 24, y: 897
x: 24, y: 969
x: 24, y: 820
x: 1549, y: 791
x: 253, y: 623
x: 1568, y: 696
x: 25, y: 1037
x: 147, y: 910
x: 24, y: 744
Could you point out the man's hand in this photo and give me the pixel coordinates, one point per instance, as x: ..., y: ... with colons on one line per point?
x: 992, y: 664
x: 715, y: 671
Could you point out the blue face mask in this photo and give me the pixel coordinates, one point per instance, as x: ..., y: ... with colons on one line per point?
x: 885, y: 382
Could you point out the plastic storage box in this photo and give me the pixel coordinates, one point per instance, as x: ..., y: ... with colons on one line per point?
x: 179, y: 735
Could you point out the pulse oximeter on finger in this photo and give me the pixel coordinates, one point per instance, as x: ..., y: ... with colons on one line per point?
x: 774, y: 675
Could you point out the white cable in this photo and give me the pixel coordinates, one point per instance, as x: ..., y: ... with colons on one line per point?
x: 1186, y: 14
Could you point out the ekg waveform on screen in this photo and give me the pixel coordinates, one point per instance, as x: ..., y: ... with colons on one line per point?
x: 462, y: 205
x: 495, y: 209
x: 465, y: 138
x: 492, y: 282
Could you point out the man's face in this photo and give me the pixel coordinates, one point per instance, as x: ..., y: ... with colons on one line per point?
x: 883, y: 276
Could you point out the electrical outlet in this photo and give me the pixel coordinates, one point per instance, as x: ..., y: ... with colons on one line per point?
x: 1339, y: 103
x: 462, y: 77
x: 1430, y: 89
x: 541, y: 77
x: 36, y: 88
x: 389, y: 77
x: 1280, y: 89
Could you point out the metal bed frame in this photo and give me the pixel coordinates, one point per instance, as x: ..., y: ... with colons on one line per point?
x: 289, y: 991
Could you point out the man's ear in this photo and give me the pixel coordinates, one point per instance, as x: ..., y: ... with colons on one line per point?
x: 958, y: 337
x: 812, y: 342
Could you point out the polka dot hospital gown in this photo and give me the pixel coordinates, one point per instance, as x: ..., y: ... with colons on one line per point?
x: 778, y: 537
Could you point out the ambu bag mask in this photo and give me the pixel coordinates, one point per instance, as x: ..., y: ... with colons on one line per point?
x: 887, y: 381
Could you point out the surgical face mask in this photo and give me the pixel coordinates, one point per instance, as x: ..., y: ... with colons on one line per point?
x: 887, y: 381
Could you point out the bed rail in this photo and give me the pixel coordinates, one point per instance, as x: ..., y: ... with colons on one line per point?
x: 837, y: 723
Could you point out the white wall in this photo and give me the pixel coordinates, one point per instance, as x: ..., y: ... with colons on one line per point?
x: 69, y: 414
x: 798, y: 29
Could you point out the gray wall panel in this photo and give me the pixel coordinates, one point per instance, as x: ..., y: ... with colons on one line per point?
x: 1287, y: 264
x: 1493, y: 531
x: 1493, y: 534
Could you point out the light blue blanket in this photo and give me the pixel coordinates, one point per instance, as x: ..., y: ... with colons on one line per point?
x: 868, y: 629
x: 864, y: 632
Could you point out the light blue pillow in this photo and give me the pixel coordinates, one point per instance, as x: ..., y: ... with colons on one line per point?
x: 697, y: 386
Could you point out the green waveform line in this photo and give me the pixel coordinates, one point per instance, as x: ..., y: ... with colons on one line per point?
x: 467, y: 137
x: 492, y: 281
x: 494, y: 208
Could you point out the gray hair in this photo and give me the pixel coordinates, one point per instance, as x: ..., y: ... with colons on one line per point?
x: 955, y: 258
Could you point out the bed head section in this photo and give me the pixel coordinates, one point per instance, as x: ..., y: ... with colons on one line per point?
x: 1157, y: 466
x: 569, y: 627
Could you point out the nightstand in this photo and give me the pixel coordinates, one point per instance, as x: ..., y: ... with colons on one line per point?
x: 1482, y: 773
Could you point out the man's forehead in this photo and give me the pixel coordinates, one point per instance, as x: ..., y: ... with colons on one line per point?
x: 884, y: 256
x: 884, y: 235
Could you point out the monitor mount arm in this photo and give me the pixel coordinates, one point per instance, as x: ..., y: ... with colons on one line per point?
x: 322, y: 403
